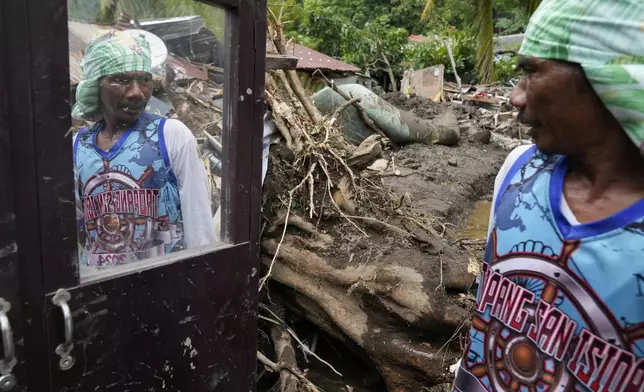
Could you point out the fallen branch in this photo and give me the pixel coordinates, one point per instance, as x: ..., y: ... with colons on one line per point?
x: 368, y: 121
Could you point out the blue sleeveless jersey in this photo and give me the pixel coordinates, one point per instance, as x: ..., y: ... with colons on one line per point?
x: 560, y: 307
x: 128, y: 196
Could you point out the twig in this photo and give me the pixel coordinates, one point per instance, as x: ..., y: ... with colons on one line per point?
x: 344, y: 106
x: 346, y: 167
x: 278, y: 367
x: 440, y: 283
x: 311, y: 191
x: 262, y: 282
x: 271, y: 89
x: 294, y: 336
x: 202, y: 102
x: 469, y: 242
x: 317, y: 224
x: 455, y: 334
x: 300, y: 223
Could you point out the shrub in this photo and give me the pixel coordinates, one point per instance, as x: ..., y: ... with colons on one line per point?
x: 505, y: 68
x: 434, y: 52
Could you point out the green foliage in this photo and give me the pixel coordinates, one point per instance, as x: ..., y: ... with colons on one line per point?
x: 507, y: 16
x: 434, y: 52
x: 374, y: 45
x: 361, y: 32
x: 506, y: 69
x: 511, y: 16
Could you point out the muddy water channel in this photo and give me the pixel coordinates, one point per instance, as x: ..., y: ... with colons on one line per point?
x: 475, y: 228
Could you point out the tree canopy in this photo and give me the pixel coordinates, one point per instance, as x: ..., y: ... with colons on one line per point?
x: 371, y: 34
x: 363, y: 32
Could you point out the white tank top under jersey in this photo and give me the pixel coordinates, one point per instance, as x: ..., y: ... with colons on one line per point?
x: 509, y: 161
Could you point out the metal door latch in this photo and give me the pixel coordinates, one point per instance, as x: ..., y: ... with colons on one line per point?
x: 64, y: 350
x: 8, y: 361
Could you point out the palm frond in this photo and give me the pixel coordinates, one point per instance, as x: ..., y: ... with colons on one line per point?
x: 106, y: 11
x: 531, y: 6
x: 485, y: 38
x: 429, y: 6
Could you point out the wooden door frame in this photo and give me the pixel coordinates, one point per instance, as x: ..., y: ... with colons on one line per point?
x: 9, y: 281
x: 37, y: 75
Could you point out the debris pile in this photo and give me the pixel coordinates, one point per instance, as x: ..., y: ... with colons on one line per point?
x: 360, y: 240
x: 351, y: 242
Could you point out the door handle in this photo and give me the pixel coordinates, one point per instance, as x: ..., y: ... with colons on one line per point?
x: 64, y: 350
x: 7, y: 380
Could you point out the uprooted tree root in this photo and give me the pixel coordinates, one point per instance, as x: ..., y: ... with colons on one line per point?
x: 352, y: 256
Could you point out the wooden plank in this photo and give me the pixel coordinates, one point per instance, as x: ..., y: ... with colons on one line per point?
x: 427, y: 82
x: 278, y: 61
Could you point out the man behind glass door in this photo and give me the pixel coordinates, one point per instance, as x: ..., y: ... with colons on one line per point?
x: 141, y: 188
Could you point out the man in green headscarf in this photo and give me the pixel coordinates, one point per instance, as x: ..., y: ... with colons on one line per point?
x: 141, y: 187
x: 560, y: 303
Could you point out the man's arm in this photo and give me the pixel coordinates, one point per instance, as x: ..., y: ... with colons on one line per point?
x: 191, y: 177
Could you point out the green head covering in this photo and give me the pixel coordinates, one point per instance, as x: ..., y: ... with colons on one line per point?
x: 108, y: 53
x: 606, y: 37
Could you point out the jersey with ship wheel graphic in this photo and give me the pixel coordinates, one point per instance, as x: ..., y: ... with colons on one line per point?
x: 564, y: 309
x: 127, y: 196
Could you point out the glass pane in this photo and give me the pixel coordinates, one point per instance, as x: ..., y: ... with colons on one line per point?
x: 147, y: 82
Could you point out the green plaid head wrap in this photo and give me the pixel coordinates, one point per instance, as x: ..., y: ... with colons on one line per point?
x: 110, y: 52
x: 606, y: 37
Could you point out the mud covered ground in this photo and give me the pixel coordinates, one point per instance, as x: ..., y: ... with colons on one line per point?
x: 448, y: 181
x: 442, y: 184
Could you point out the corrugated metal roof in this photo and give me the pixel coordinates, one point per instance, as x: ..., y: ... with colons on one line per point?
x: 309, y: 59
